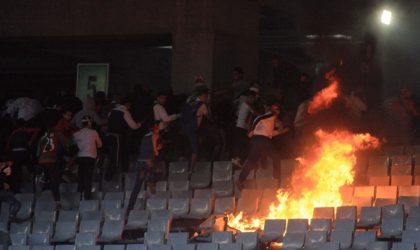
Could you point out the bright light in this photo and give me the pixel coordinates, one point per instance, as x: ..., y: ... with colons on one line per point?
x: 386, y: 17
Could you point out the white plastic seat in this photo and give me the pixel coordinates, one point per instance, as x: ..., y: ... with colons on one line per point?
x: 38, y: 239
x: 177, y: 238
x: 188, y: 194
x: 221, y: 237
x: 314, y: 237
x: 224, y: 205
x: 65, y: 247
x: 46, y: 227
x: 45, y: 195
x: 207, y: 246
x: 25, y: 210
x: 114, y: 196
x: 199, y: 208
x: 158, y: 225
x: 114, y: 214
x: 178, y: 176
x: 112, y: 231
x: 297, y: 226
x: 65, y: 231
x: 161, y: 215
x: 137, y: 219
x: 70, y: 201
x: 378, y: 245
x: 156, y: 204
x: 249, y: 240
x: 154, y: 238
x: 45, y: 216
x: 408, y: 202
x: 45, y: 206
x: 111, y: 204
x: 392, y: 221
x: 136, y: 247
x: 387, y: 192
x: 410, y: 236
x: 88, y: 205
x: 18, y: 247
x: 401, y: 165
x: 223, y: 188
x: 370, y: 216
x: 378, y: 166
x: 183, y: 247
x: 89, y: 247
x: 401, y: 180
x: 344, y: 238
x: 346, y: 212
x: 20, y: 228
x: 320, y: 225
x: 248, y: 205
x: 90, y: 226
x: 362, y: 239
x: 179, y: 207
x: 230, y: 246
x: 379, y: 180
x: 160, y: 247
x: 179, y: 185
x: 273, y: 230
x: 200, y: 180
x: 114, y: 247
x: 92, y: 215
x: 345, y: 225
x: 326, y: 246
x: 18, y: 239
x: 402, y: 246
x: 68, y: 215
x: 40, y: 247
x: 178, y: 167
x: 293, y: 240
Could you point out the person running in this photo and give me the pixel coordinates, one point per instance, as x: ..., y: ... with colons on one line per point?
x: 88, y: 141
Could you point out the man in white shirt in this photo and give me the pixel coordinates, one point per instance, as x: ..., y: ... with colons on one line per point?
x: 243, y: 124
x: 262, y: 130
x: 160, y: 113
x: 88, y: 141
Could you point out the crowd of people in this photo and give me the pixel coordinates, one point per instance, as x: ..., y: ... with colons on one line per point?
x: 54, y: 139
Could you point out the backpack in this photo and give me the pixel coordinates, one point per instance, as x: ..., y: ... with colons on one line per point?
x: 188, y: 116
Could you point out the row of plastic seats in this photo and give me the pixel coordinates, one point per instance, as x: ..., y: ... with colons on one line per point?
x: 394, y: 180
x: 400, y: 150
x: 393, y: 165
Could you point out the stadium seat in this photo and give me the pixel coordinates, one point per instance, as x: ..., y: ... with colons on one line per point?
x: 114, y: 247
x: 137, y: 219
x: 20, y: 228
x: 158, y: 225
x: 114, y: 196
x: 362, y: 239
x: 297, y: 226
x: 45, y: 206
x: 392, y: 221
x: 412, y: 224
x: 379, y: 180
x: 273, y: 230
x: 287, y: 167
x: 345, y: 225
x: 46, y: 227
x: 25, y: 210
x: 207, y: 246
x: 178, y: 167
x: 360, y: 202
x: 346, y: 212
x: 136, y: 247
x: 65, y: 247
x: 177, y: 238
x: 89, y: 205
x: 401, y: 165
x: 223, y: 188
x: 112, y: 230
x: 393, y: 150
x: 248, y: 205
x: 44, y: 196
x: 412, y: 149
x: 45, y: 216
x: 386, y: 195
x: 114, y: 214
x: 293, y: 240
x: 314, y: 237
x: 364, y: 191
x: 320, y: 225
x: 203, y: 167
x: 344, y: 238
x: 409, y: 190
x: 204, y: 194
x: 369, y: 217
x: 179, y: 207
x: 89, y: 247
x: 90, y: 226
x: 378, y: 166
x: 230, y: 246
x: 19, y: 247
x: 40, y: 247
x: 160, y: 247
x: 224, y: 205
x: 222, y: 171
x: 323, y: 213
x: 401, y: 180
x: 153, y: 204
x: 200, y: 180
x: 129, y: 181
x: 188, y: 194
x: 416, y: 180
x: 347, y: 194
x: 183, y: 247
x: 68, y: 215
x: 408, y: 202
x: 179, y: 185
x: 178, y: 176
x: 267, y: 183
x: 221, y: 237
x: 92, y: 215
x: 199, y: 208
x: 18, y: 239
x: 410, y: 236
x: 378, y: 245
x: 25, y: 197
x: 70, y: 201
x: 402, y: 246
x: 326, y: 246
x: 38, y: 239
x: 161, y: 214
x: 154, y: 238
x: 249, y: 240
x: 65, y: 231
x: 111, y: 204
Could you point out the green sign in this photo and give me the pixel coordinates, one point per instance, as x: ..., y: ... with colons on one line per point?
x: 91, y: 78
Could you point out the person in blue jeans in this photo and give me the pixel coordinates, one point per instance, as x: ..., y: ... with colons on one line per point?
x: 149, y: 154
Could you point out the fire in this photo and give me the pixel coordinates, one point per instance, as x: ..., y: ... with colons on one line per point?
x: 325, y: 97
x: 316, y: 183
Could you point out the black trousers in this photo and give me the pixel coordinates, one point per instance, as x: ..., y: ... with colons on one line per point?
x: 53, y: 172
x: 85, y: 173
x: 260, y: 148
x: 117, y: 155
x: 241, y: 143
x: 8, y: 197
x: 20, y: 159
x: 143, y: 175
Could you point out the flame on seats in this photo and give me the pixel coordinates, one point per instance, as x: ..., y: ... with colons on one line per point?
x: 325, y: 168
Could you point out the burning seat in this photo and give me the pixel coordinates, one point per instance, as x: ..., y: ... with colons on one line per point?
x: 273, y: 230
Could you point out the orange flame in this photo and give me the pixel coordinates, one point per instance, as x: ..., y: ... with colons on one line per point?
x: 325, y: 97
x: 316, y: 183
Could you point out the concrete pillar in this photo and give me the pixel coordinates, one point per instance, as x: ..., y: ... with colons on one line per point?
x: 210, y: 38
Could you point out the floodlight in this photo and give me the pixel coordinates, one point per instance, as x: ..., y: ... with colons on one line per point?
x: 386, y: 17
